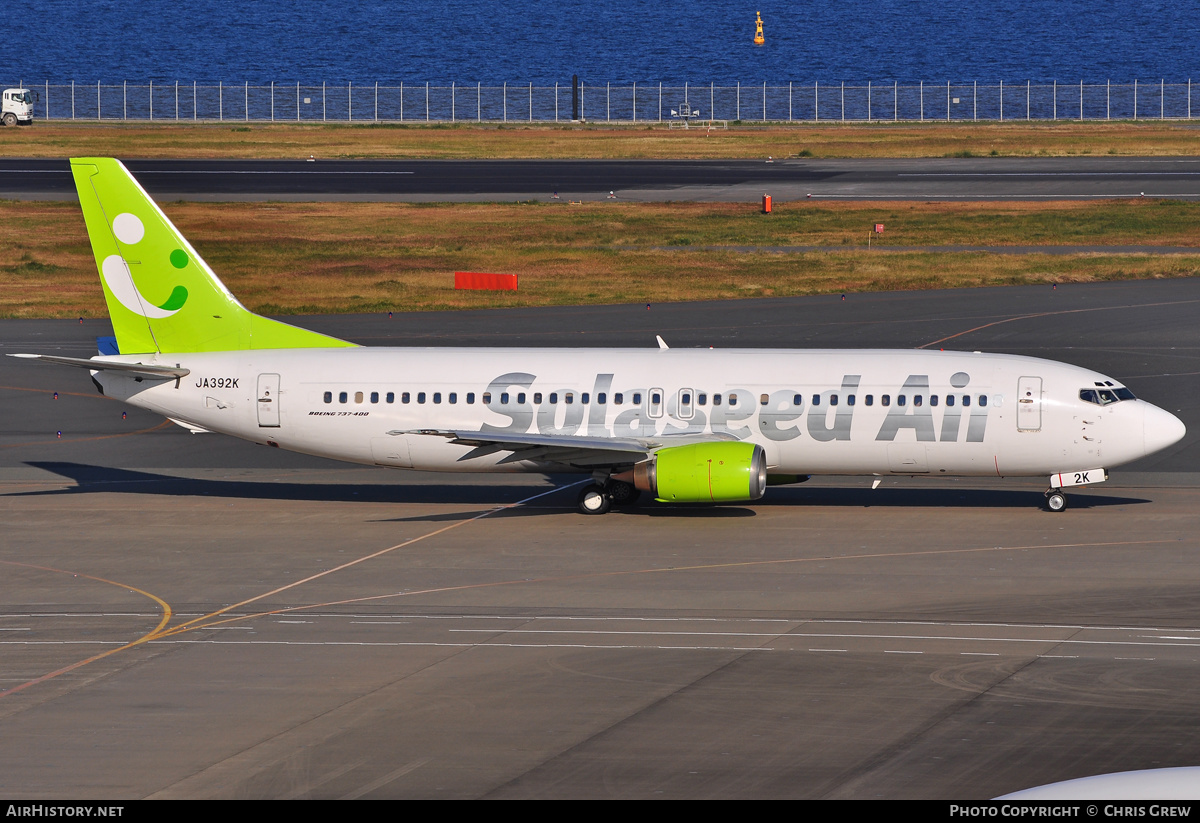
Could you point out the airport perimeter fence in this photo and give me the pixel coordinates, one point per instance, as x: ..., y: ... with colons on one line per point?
x: 609, y: 103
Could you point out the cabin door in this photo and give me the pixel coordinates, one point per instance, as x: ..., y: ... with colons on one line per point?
x: 1029, y: 404
x: 268, y: 401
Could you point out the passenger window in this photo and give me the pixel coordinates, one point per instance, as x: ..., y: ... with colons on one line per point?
x: 716, y: 399
x: 521, y: 398
x: 983, y: 399
x: 816, y: 400
x: 553, y: 397
x: 470, y: 398
x: 329, y: 396
x: 618, y: 398
x: 732, y: 399
x: 870, y: 400
x: 487, y: 398
x: 437, y: 397
x: 833, y: 399
x: 933, y: 401
x: 902, y: 400
x: 637, y: 398
x: 850, y: 400
x: 343, y: 397
x: 764, y: 399
x: 537, y: 397
x: 583, y: 398
x: 420, y: 397
x: 503, y: 398
x: 966, y: 400
x: 391, y: 397
x: 569, y: 398
x: 405, y: 397
x: 797, y: 400
x: 949, y: 400
x: 702, y: 399
x: 453, y: 398
x: 885, y: 400
x: 374, y: 397
x: 358, y: 397
x: 601, y: 398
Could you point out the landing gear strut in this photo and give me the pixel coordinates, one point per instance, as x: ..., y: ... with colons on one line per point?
x: 1056, y: 501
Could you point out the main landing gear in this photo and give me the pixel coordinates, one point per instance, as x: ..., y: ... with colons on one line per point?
x: 1056, y: 501
x: 600, y: 498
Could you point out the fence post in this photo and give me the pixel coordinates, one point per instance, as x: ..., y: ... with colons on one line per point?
x: 975, y: 102
x: 1054, y: 95
x: 687, y: 103
x: 895, y: 101
x: 47, y: 99
x: 764, y: 101
x: 531, y: 99
x: 97, y: 101
x: 350, y: 100
x: 660, y: 101
x: 582, y: 115
x: 401, y: 101
x: 195, y: 106
x: 478, y: 101
x: 1027, y: 82
x: 453, y: 113
x: 1081, y: 101
x: 843, y: 101
x: 124, y: 99
x: 324, y: 112
x: 635, y: 101
x: 73, y: 98
x: 789, y: 101
x: 947, y: 101
x: 427, y: 101
x: 868, y: 101
x: 1162, y: 99
x: 608, y: 102
x: 555, y: 101
x: 246, y: 101
x: 505, y: 101
x: 297, y: 101
x: 1189, y: 99
x: 151, y: 99
x: 220, y: 100
x: 922, y: 101
x: 376, y: 101
x: 1001, y: 101
x: 739, y: 100
x: 816, y: 100
x: 712, y: 101
x: 1135, y: 98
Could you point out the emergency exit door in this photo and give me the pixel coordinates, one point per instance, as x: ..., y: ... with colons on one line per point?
x: 1029, y: 404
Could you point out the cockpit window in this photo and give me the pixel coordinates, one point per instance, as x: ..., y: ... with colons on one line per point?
x: 1105, y: 397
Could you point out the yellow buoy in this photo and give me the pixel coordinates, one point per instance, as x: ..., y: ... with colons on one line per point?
x: 758, y: 34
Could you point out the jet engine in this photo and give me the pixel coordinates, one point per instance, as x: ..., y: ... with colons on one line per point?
x: 703, y: 473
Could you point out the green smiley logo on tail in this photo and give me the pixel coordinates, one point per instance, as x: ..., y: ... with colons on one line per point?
x: 161, y: 295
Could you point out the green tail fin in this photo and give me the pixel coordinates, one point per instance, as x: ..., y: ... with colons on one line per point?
x: 161, y: 295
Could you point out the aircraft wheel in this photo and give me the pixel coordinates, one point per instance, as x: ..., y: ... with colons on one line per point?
x: 622, y: 493
x: 593, y: 500
x: 1056, y: 501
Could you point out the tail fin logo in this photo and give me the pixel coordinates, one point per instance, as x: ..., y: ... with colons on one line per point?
x: 129, y: 230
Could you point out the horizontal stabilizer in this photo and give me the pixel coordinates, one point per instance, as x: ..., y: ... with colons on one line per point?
x: 160, y: 372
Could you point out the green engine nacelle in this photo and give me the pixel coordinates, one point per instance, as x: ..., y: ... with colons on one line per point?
x: 704, y: 473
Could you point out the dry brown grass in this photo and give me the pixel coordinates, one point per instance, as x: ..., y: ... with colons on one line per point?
x: 547, y: 141
x: 334, y: 257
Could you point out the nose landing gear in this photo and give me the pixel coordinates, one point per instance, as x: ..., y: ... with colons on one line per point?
x: 1056, y: 501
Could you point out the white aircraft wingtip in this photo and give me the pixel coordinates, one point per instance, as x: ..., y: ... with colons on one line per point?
x: 662, y: 344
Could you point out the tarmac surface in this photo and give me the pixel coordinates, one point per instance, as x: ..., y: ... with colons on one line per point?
x: 344, y: 632
x: 966, y: 179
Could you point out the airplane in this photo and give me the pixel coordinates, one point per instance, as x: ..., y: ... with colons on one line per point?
x: 683, y: 425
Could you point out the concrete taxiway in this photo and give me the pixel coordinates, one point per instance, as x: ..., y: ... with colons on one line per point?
x: 947, y: 179
x: 191, y: 616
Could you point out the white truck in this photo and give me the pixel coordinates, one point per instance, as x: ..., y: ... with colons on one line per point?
x: 16, y: 106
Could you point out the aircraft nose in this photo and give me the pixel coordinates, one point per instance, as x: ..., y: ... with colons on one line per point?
x: 1160, y: 429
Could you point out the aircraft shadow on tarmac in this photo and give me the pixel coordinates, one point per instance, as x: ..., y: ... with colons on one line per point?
x: 101, y: 479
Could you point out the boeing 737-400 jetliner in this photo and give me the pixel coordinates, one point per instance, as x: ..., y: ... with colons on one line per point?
x: 684, y: 425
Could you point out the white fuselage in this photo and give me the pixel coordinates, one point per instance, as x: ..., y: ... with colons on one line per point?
x: 813, y: 411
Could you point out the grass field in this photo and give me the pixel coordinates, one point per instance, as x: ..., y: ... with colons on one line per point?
x: 298, y: 258
x: 746, y: 140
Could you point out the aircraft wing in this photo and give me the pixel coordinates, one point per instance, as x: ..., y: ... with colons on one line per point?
x: 582, y: 452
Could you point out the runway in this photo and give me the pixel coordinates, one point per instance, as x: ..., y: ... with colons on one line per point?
x: 785, y: 179
x: 190, y: 616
